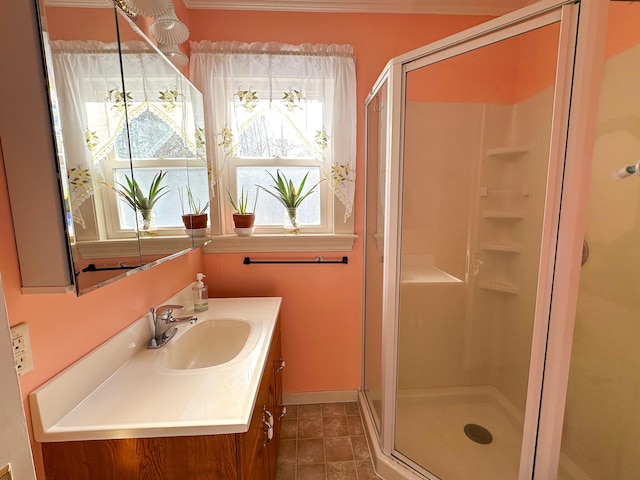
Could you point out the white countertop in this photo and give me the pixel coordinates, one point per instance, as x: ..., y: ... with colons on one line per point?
x: 114, y: 394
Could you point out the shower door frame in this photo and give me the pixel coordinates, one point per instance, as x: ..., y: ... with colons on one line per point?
x: 579, y: 67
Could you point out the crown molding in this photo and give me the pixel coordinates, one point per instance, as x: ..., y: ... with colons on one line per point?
x: 79, y: 3
x: 450, y: 7
x: 439, y: 7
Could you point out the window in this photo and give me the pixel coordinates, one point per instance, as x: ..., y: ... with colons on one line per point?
x: 155, y: 145
x: 273, y: 136
x: 280, y: 107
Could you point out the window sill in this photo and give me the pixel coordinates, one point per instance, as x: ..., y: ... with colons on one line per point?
x: 129, y: 247
x: 281, y: 243
x: 217, y: 244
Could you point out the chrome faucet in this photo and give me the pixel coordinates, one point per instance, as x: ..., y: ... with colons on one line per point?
x: 162, y: 319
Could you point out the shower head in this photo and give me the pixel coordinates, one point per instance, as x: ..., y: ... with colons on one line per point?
x: 627, y: 171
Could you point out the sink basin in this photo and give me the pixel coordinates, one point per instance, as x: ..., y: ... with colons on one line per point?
x: 206, y: 344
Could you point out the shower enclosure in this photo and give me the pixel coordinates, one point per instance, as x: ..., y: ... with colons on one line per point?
x: 470, y: 152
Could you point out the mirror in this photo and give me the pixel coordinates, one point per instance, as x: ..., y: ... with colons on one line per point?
x: 123, y: 116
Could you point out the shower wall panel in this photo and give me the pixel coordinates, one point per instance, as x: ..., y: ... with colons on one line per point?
x: 602, y: 421
x: 444, y: 340
x: 512, y: 180
x: 434, y: 231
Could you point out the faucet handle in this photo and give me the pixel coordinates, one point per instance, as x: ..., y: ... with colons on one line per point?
x: 167, y: 309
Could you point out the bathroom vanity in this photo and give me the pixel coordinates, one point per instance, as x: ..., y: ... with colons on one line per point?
x: 120, y: 412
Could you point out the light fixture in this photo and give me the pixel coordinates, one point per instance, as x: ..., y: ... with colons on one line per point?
x: 168, y: 29
x: 174, y: 54
x: 148, y: 8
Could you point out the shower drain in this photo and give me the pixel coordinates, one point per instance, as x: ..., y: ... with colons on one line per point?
x: 478, y: 433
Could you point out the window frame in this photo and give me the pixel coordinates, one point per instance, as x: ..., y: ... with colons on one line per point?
x: 109, y: 226
x: 228, y: 182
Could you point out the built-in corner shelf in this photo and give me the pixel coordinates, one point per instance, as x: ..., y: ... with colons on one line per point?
x: 507, y: 153
x: 499, y: 215
x: 500, y: 287
x: 505, y: 205
x: 501, y: 247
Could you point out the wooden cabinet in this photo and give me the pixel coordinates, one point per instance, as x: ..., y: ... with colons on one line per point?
x: 247, y: 456
x: 258, y: 448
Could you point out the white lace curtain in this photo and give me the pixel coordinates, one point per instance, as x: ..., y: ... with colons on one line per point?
x: 91, y: 104
x: 235, y: 76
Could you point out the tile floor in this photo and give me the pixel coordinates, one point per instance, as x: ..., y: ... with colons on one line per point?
x: 324, y: 442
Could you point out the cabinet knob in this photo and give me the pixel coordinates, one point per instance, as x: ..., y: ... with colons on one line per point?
x: 282, y: 365
x: 283, y: 412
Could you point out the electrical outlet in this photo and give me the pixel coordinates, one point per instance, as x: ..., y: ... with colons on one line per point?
x: 21, y: 350
x: 5, y: 472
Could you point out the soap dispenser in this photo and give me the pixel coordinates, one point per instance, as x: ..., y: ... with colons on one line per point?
x: 200, y: 294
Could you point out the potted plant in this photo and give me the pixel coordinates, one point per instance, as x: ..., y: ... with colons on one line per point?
x: 290, y: 197
x: 242, y: 219
x: 196, y: 218
x: 132, y: 195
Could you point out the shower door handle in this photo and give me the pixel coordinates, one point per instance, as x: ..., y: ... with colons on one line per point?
x: 475, y: 268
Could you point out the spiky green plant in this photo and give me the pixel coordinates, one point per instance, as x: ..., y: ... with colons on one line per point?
x: 195, y: 206
x: 286, y: 192
x: 132, y: 194
x: 243, y: 200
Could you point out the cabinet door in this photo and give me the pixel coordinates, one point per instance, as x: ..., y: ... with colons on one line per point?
x: 252, y: 458
x: 259, y: 448
x: 278, y: 368
x: 270, y: 443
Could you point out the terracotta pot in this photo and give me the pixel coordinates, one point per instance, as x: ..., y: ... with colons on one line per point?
x: 244, y: 220
x: 193, y: 222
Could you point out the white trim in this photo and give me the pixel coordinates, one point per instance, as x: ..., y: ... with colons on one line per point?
x: 47, y: 290
x: 391, y: 267
x: 79, y: 3
x: 130, y: 248
x: 281, y: 243
x: 390, y: 6
x: 309, y: 398
x: 584, y: 107
x: 557, y: 153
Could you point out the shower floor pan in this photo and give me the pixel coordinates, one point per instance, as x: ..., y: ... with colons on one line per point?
x: 430, y: 428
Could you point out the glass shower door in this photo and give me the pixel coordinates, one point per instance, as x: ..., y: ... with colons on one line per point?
x: 601, y: 431
x: 374, y: 246
x: 476, y: 151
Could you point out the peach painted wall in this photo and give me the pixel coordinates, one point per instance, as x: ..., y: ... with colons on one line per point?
x: 80, y: 24
x: 622, y: 30
x: 63, y: 328
x: 71, y: 23
x: 505, y: 72
x: 322, y: 304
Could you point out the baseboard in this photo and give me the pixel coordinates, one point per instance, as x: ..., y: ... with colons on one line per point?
x: 306, y: 398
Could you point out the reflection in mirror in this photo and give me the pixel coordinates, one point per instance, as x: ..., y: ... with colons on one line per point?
x: 165, y: 141
x: 124, y: 115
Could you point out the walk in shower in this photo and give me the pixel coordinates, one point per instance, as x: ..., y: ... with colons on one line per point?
x: 468, y: 156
